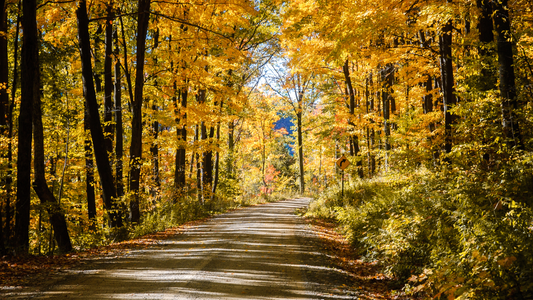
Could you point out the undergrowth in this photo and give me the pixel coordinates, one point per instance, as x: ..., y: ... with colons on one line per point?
x: 448, y: 234
x: 163, y: 214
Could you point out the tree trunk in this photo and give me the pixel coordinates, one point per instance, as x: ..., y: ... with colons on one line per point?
x: 486, y: 36
x: 199, y: 172
x: 206, y: 166
x: 154, y: 151
x: 4, y: 96
x: 8, y: 230
x: 57, y: 218
x: 119, y: 142
x: 136, y: 122
x: 100, y: 153
x: 386, y: 96
x: 217, y: 164
x: 181, y: 132
x: 354, y: 140
x: 511, y: 130
x: 208, y: 161
x: 4, y: 114
x: 231, y: 150
x: 30, y: 49
x: 108, y: 82
x: 300, y: 146
x: 368, y: 146
x: 126, y: 68
x: 89, y: 171
x: 446, y: 70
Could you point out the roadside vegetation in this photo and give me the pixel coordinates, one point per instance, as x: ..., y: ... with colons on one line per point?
x: 464, y: 235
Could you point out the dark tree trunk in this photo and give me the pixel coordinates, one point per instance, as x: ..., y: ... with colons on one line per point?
x: 354, y: 139
x: 154, y: 151
x: 428, y: 99
x: 487, y: 79
x: 217, y: 164
x: 4, y: 115
x: 100, y: 153
x: 369, y: 142
x: 136, y: 122
x: 485, y: 26
x: 486, y: 36
x: 207, y: 159
x: 108, y: 82
x: 119, y: 142
x: 502, y: 22
x: 89, y: 171
x: 386, y: 96
x: 126, y: 68
x: 4, y: 96
x: 446, y: 70
x: 30, y: 49
x: 300, y: 145
x: 181, y: 132
x: 97, y: 63
x: 206, y: 166
x: 57, y: 218
x: 8, y: 229
x: 155, y: 187
x: 199, y: 170
x: 427, y: 104
x: 231, y: 149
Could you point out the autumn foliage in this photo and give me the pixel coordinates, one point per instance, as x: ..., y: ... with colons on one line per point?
x: 159, y: 112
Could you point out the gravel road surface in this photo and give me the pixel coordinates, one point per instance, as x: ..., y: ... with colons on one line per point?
x: 260, y: 252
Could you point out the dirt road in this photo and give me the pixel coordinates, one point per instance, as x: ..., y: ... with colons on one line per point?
x: 261, y: 252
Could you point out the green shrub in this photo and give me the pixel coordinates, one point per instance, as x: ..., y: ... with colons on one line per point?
x: 453, y: 233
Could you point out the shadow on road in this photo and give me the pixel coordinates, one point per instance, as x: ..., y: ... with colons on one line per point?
x: 262, y: 252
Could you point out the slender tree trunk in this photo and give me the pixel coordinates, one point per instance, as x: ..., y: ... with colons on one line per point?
x: 206, y: 179
x: 136, y: 122
x: 369, y: 137
x: 30, y: 49
x: 208, y: 161
x: 486, y: 36
x: 181, y: 159
x: 97, y: 64
x: 4, y: 96
x: 231, y: 150
x: 509, y: 105
x: 446, y: 68
x: 126, y: 68
x: 57, y: 218
x: 119, y: 141
x: 354, y: 139
x: 191, y: 165
x: 199, y: 171
x: 8, y: 231
x: 387, y: 80
x: 108, y: 82
x: 300, y: 148
x: 4, y: 114
x: 100, y: 153
x: 487, y: 80
x: 427, y: 104
x: 154, y: 151
x: 217, y: 164
x: 89, y: 171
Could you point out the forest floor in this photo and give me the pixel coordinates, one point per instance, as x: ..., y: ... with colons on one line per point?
x: 253, y: 253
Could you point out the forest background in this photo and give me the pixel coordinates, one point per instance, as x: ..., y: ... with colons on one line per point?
x: 119, y: 118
